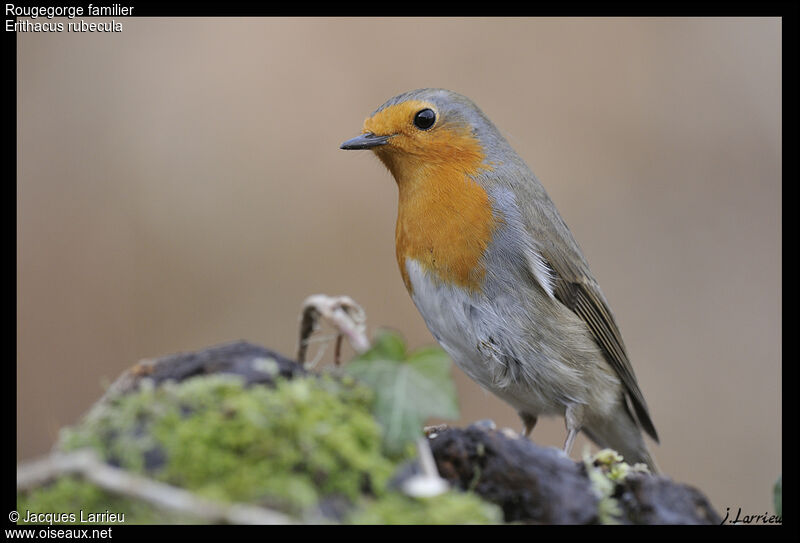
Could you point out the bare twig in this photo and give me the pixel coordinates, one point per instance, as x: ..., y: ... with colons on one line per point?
x: 88, y: 465
x: 337, y: 352
x: 343, y: 313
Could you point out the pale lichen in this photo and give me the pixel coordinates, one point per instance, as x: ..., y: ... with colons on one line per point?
x: 606, y: 469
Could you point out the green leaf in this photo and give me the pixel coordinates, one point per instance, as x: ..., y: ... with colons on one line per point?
x: 408, y: 388
x: 777, y: 495
x: 388, y: 345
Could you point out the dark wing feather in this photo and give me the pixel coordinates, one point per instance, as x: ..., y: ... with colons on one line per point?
x: 574, y: 285
x: 585, y: 300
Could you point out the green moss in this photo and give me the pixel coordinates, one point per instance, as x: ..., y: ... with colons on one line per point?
x: 72, y: 495
x: 285, y: 447
x: 450, y: 508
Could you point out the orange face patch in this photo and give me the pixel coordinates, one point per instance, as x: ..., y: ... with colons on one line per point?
x: 444, y: 143
x: 444, y: 220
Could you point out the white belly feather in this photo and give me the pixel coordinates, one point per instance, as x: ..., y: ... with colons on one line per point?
x: 482, y: 340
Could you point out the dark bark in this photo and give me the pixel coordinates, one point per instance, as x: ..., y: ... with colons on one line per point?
x: 541, y: 485
x: 256, y: 364
x: 532, y: 484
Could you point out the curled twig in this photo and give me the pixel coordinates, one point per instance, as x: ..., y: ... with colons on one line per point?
x: 343, y: 313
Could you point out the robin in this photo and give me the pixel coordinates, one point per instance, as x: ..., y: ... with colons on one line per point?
x: 498, y: 277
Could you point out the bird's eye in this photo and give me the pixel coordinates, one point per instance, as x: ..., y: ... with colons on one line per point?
x: 424, y: 119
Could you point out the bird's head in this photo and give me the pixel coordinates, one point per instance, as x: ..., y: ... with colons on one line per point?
x: 442, y: 151
x: 426, y: 131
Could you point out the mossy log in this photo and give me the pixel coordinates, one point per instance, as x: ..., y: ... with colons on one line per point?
x: 238, y: 423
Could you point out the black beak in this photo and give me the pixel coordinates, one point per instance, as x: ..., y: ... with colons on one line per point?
x: 367, y: 140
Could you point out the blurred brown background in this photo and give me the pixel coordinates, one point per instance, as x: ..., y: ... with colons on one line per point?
x: 180, y: 184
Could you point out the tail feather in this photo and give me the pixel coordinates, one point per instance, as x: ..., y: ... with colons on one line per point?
x: 622, y: 434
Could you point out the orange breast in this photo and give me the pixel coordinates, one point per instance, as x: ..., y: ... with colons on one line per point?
x: 444, y: 220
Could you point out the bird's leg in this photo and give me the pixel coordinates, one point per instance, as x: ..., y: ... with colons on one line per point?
x: 574, y: 420
x: 528, y: 422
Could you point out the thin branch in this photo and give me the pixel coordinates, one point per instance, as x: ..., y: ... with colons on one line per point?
x: 87, y: 464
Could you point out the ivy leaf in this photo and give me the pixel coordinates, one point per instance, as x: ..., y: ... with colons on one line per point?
x: 777, y: 496
x: 409, y: 388
x: 387, y: 345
